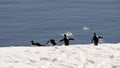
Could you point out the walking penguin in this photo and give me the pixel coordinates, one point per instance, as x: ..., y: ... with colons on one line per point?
x: 95, y: 39
x: 66, y: 40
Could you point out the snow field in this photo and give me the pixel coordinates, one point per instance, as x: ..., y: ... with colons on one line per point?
x: 73, y: 56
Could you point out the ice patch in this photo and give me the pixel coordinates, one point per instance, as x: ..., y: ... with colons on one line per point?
x: 85, y: 28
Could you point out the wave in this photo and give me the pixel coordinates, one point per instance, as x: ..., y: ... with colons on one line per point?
x: 67, y: 33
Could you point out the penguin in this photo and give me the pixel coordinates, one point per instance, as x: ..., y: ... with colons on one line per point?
x: 52, y: 42
x: 36, y: 43
x: 66, y: 40
x: 95, y: 39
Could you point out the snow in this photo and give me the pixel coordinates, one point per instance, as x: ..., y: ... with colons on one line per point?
x: 73, y: 56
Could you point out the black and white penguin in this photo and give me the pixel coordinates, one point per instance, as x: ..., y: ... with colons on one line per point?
x: 95, y: 39
x: 66, y: 40
x: 52, y: 42
x: 36, y: 43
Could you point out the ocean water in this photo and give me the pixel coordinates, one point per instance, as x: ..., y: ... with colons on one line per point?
x: 40, y: 20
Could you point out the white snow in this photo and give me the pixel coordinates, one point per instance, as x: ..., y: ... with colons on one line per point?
x: 73, y: 56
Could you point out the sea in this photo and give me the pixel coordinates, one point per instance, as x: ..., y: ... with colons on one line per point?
x: 40, y: 20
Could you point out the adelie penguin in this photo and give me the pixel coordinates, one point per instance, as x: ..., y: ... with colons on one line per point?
x: 36, y: 43
x: 52, y: 42
x: 66, y: 40
x: 95, y: 39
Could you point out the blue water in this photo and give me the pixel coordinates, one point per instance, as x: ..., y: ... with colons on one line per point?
x: 24, y: 20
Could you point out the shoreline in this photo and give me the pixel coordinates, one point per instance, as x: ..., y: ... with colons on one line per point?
x: 61, y: 45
